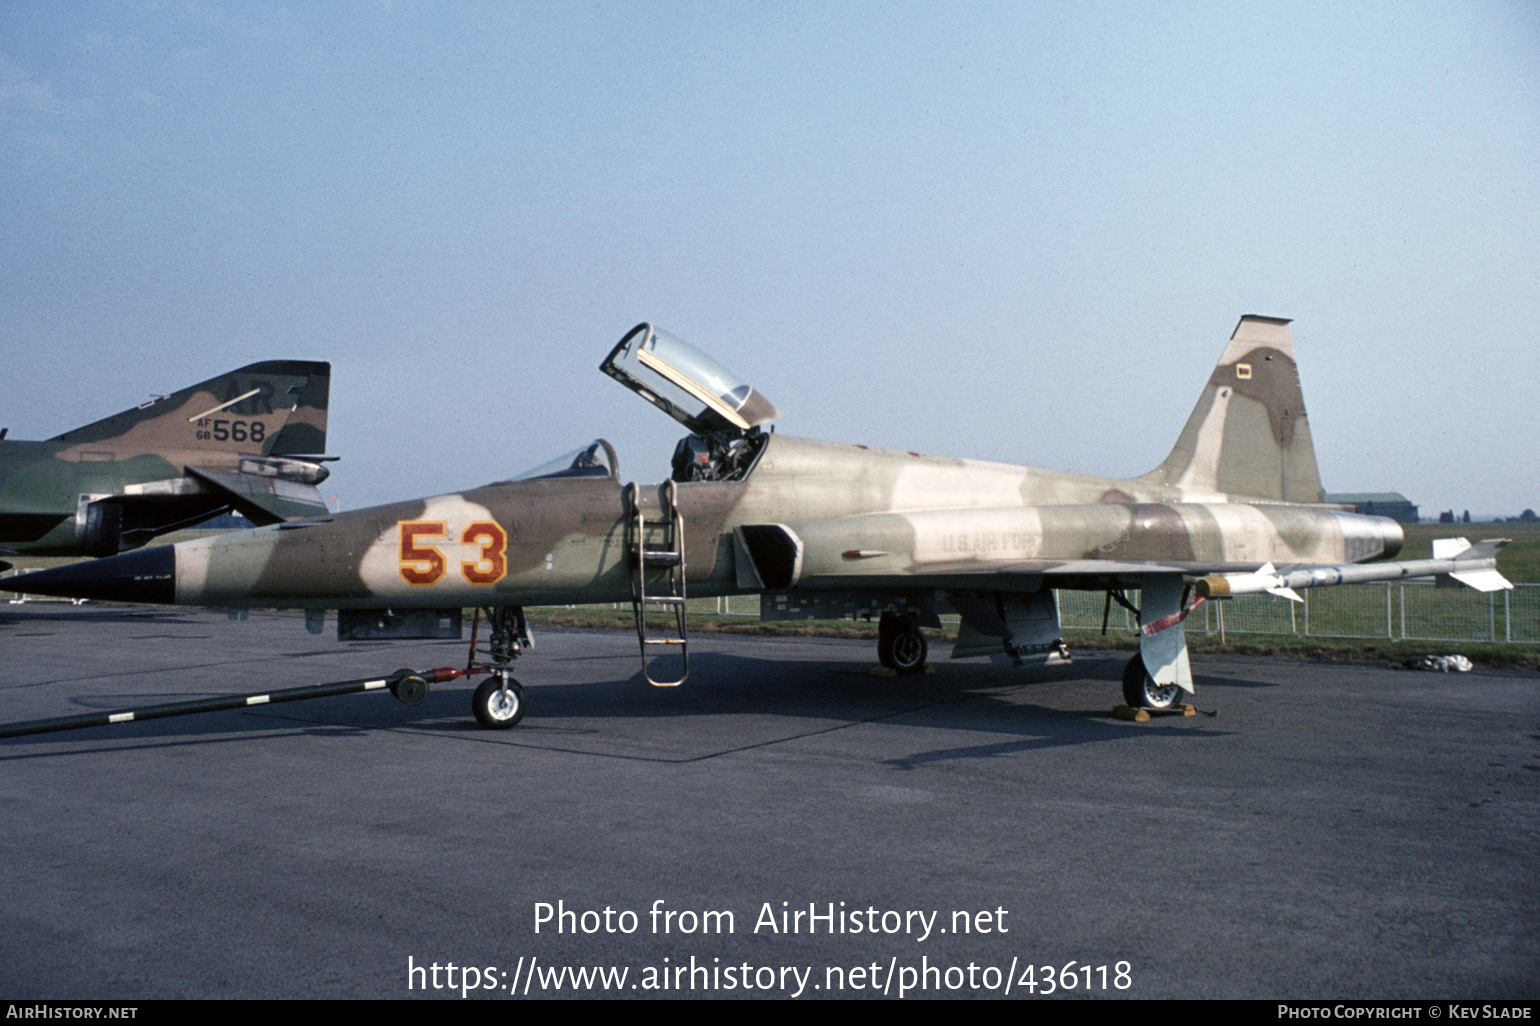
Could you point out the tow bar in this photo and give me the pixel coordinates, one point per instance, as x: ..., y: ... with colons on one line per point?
x: 410, y: 686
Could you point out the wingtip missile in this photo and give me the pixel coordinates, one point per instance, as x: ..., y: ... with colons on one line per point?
x: 1474, y: 566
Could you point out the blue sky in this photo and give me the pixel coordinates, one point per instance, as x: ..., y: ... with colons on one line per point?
x: 1018, y: 232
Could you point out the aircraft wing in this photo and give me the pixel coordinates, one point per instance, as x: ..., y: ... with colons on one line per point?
x: 1021, y: 574
x: 1211, y: 579
x: 1012, y: 576
x: 1006, y: 604
x: 820, y: 556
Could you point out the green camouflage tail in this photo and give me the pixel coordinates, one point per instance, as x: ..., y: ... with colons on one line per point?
x: 274, y: 408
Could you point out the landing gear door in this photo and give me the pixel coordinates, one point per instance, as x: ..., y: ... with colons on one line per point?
x: 686, y: 384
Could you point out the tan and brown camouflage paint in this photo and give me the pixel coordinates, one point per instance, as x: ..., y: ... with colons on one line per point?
x: 566, y: 537
x: 1228, y: 497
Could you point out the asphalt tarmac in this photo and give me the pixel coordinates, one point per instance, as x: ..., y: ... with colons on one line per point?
x: 1335, y: 831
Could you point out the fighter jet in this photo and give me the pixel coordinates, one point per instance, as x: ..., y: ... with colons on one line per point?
x: 248, y: 441
x: 819, y: 529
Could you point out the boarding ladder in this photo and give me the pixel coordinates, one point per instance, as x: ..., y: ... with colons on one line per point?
x: 655, y: 550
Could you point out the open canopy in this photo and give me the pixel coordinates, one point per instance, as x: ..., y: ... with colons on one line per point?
x: 685, y: 383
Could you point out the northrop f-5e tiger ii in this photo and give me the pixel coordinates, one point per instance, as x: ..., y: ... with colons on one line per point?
x: 820, y: 529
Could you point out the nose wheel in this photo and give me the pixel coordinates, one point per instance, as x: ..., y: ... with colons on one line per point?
x: 498, y: 702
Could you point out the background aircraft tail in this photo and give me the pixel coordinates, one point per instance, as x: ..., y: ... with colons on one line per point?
x: 1248, y: 435
x: 273, y: 408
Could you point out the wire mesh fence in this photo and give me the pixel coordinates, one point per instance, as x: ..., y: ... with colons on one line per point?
x: 1396, y: 611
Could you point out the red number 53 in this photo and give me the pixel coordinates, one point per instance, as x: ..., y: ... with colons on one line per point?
x: 422, y: 563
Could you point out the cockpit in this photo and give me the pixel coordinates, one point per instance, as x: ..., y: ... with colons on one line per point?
x: 723, y: 413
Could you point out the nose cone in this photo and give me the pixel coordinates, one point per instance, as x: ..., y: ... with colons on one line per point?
x: 148, y: 575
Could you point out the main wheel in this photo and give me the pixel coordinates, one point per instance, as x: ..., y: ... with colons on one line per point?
x: 496, y: 707
x: 1141, y: 691
x: 901, y: 646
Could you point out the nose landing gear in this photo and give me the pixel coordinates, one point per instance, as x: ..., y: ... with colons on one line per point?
x: 499, y: 700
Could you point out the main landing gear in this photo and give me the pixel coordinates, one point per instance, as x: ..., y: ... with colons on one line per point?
x: 901, y: 646
x: 499, y: 700
x: 1140, y: 690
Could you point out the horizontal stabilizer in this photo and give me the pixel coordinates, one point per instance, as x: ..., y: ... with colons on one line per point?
x: 262, y: 500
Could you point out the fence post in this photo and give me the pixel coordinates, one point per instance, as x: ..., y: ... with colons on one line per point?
x: 1402, y: 596
x: 1507, y: 617
x: 1491, y: 616
x: 1388, y: 634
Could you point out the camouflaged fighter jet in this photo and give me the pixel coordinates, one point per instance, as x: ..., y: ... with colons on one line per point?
x: 820, y: 529
x: 248, y: 441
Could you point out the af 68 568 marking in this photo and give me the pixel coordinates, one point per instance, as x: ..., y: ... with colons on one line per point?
x: 231, y: 431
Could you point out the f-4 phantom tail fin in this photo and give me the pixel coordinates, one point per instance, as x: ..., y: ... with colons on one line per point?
x: 1248, y: 434
x: 273, y: 408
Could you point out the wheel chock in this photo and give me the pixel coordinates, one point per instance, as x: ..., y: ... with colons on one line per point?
x: 1128, y: 712
x: 882, y: 671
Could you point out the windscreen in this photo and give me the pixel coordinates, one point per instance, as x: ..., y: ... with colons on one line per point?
x: 592, y: 460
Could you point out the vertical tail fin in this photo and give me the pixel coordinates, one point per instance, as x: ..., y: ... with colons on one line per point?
x: 273, y: 408
x: 1248, y: 434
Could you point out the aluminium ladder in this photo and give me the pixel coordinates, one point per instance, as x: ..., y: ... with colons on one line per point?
x: 653, y: 546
